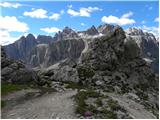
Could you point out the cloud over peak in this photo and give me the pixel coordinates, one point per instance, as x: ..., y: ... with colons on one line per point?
x: 123, y: 20
x: 50, y: 30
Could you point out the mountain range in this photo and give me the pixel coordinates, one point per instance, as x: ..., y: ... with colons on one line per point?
x: 44, y: 51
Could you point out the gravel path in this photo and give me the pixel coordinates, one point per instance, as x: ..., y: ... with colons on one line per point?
x: 53, y: 105
x: 136, y: 110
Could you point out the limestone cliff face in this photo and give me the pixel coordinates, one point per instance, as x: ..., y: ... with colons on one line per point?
x: 46, y: 55
x: 22, y: 47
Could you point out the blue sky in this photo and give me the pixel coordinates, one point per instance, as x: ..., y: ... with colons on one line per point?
x: 48, y: 17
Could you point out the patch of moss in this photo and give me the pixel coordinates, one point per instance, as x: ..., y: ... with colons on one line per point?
x: 153, y: 110
x: 80, y: 98
x: 85, y: 72
x: 114, y: 105
x: 74, y: 85
x: 8, y: 88
x: 108, y: 114
x: 99, y: 102
x: 3, y: 104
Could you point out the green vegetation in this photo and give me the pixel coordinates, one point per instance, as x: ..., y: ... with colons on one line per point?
x: 109, y: 114
x: 106, y: 111
x: 114, y: 105
x: 85, y: 72
x: 99, y: 101
x: 3, y: 104
x: 73, y: 85
x: 8, y: 88
x: 80, y: 100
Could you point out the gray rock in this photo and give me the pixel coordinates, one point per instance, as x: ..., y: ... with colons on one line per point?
x: 16, y: 72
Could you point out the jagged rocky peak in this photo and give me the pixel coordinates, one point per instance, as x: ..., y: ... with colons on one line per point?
x: 68, y: 30
x: 30, y: 37
x: 92, y: 31
x: 41, y: 39
x: 105, y: 29
x: 22, y: 38
x: 67, y: 33
x: 134, y: 31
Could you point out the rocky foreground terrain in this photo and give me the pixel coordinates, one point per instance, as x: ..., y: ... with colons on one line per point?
x: 102, y: 72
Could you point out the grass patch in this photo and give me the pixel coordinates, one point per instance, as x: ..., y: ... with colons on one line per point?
x: 85, y: 72
x: 74, y: 85
x: 80, y: 98
x: 8, y: 88
x: 108, y: 114
x: 99, y: 102
x: 3, y: 104
x: 114, y: 105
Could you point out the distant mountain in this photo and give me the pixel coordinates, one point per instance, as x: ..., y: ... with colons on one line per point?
x: 47, y: 50
x: 67, y: 33
x: 45, y: 55
x: 148, y: 44
x: 22, y: 47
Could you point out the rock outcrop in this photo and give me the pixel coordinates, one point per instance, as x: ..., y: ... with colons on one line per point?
x: 91, y: 31
x: 15, y: 71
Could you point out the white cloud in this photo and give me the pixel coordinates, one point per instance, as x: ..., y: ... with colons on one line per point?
x: 82, y: 24
x: 127, y: 15
x: 10, y: 4
x: 84, y: 12
x: 36, y: 13
x: 154, y: 30
x: 73, y: 13
x: 156, y: 19
x: 56, y: 16
x: 12, y: 24
x: 50, y: 30
x: 6, y: 39
x: 123, y: 20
